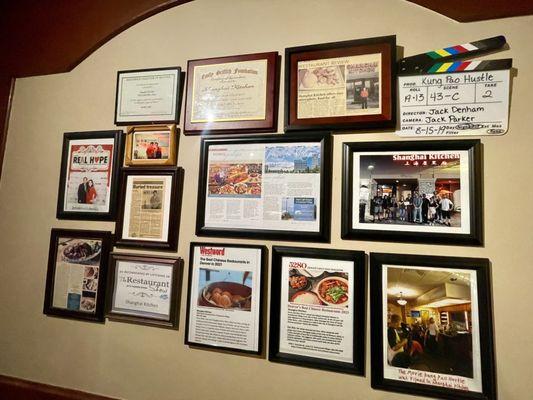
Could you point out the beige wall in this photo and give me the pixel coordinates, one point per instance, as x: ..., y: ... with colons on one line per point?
x: 136, y: 362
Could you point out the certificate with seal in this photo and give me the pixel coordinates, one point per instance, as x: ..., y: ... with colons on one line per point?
x: 231, y: 93
x: 149, y: 95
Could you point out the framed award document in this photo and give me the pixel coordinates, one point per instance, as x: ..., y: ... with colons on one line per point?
x: 225, y: 300
x: 152, y: 145
x: 344, y: 85
x: 148, y: 96
x: 270, y: 187
x: 144, y: 290
x: 88, y: 180
x: 77, y: 272
x: 235, y: 93
x: 317, y: 308
x: 417, y: 191
x: 150, y: 207
x: 431, y: 326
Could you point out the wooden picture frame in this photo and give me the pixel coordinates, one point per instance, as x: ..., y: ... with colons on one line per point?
x: 163, y: 230
x: 148, y: 96
x: 88, y: 182
x: 395, y: 171
x: 153, y: 153
x: 316, y: 267
x: 357, y: 74
x: 78, y: 289
x: 234, y: 111
x: 237, y: 171
x: 198, y: 289
x: 167, y: 292
x: 455, y: 363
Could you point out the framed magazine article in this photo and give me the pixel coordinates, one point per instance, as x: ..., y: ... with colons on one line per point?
x: 225, y: 297
x: 317, y: 308
x: 150, y: 211
x: 77, y: 273
x: 90, y: 164
x: 152, y: 145
x: 147, y: 96
x: 419, y: 191
x: 232, y: 94
x: 144, y: 290
x: 271, y: 187
x: 431, y: 326
x: 341, y: 85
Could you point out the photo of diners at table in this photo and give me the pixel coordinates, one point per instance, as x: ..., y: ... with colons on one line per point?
x: 429, y: 320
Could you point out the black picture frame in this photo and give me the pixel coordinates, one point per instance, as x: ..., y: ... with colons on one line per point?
x: 106, y: 238
x: 175, y: 291
x: 171, y: 244
x: 359, y: 308
x: 475, y: 235
x: 177, y: 92
x: 262, y: 294
x: 384, y: 45
x: 481, y: 267
x: 117, y: 157
x: 323, y: 234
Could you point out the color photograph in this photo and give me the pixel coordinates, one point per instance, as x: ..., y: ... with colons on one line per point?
x: 292, y: 159
x: 151, y: 145
x: 225, y: 289
x: 235, y: 180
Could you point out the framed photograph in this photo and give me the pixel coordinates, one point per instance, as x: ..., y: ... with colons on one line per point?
x: 225, y: 300
x: 152, y: 145
x: 88, y: 179
x: 77, y: 273
x: 150, y: 211
x: 431, y: 326
x: 148, y: 96
x: 317, y: 308
x: 424, y: 191
x: 270, y: 187
x: 144, y: 290
x: 341, y: 85
x: 235, y: 93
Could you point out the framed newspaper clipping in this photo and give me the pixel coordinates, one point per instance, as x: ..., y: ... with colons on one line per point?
x: 77, y: 273
x: 271, y: 187
x: 144, y: 290
x: 150, y: 207
x: 317, y: 308
x: 232, y: 94
x: 346, y: 85
x: 225, y: 299
x: 88, y: 180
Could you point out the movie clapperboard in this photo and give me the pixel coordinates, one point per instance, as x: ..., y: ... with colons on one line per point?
x: 439, y: 95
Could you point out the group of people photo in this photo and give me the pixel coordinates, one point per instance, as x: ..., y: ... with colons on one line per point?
x: 86, y: 191
x: 152, y: 151
x: 419, y: 209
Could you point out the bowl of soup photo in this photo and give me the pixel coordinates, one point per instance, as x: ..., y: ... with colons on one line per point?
x: 333, y: 291
x: 227, y: 295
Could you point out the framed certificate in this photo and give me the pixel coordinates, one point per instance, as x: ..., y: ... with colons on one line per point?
x: 144, y: 290
x: 148, y: 96
x: 271, y: 187
x: 77, y: 273
x: 152, y: 145
x: 431, y: 326
x: 150, y: 207
x: 341, y: 85
x: 228, y: 94
x: 424, y: 192
x: 225, y: 299
x: 317, y: 308
x: 88, y: 180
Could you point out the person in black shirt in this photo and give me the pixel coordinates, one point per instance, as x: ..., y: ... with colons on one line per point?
x: 396, y: 355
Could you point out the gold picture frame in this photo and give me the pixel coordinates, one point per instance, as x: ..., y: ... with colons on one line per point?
x: 148, y: 145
